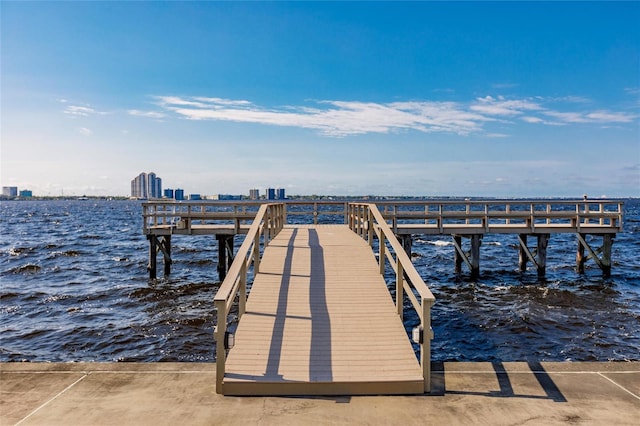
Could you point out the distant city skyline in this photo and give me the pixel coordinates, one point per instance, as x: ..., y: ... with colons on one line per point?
x: 505, y: 99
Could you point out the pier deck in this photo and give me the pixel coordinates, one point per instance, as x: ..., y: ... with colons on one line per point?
x: 320, y: 320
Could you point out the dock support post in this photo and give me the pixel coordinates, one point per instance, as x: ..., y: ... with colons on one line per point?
x: 225, y: 254
x: 476, y: 240
x: 538, y: 257
x: 581, y: 259
x: 458, y: 256
x: 161, y: 244
x: 522, y: 253
x: 607, y: 242
x: 153, y: 251
x: 603, y: 262
x: 472, y: 258
x: 407, y: 243
x: 543, y: 241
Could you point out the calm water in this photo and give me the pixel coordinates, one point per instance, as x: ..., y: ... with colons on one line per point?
x: 74, y: 287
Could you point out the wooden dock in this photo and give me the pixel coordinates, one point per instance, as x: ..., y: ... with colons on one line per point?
x: 462, y: 220
x: 320, y: 320
x: 318, y: 317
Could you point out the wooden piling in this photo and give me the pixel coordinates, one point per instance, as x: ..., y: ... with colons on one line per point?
x: 580, y: 257
x: 153, y: 250
x: 476, y: 241
x: 159, y: 244
x: 522, y: 253
x: 541, y: 261
x: 225, y: 254
x: 458, y: 257
x: 166, y: 251
x: 407, y: 243
x: 607, y: 242
x: 603, y: 262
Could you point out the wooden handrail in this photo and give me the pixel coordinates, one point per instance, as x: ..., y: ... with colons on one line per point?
x: 606, y: 214
x: 268, y: 221
x: 364, y: 218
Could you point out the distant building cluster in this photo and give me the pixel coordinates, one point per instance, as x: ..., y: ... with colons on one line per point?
x: 12, y: 192
x: 146, y: 186
x: 270, y: 194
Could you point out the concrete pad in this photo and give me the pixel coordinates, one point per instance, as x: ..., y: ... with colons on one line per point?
x: 184, y: 393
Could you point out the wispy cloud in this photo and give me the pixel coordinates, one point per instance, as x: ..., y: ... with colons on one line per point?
x: 334, y: 118
x: 84, y: 131
x: 343, y: 118
x: 79, y: 111
x: 599, y: 117
x: 83, y: 110
x: 148, y: 114
x: 501, y: 106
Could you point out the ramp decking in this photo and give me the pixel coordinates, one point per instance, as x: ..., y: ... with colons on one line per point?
x: 319, y: 320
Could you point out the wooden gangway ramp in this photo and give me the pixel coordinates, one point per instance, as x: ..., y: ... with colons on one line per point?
x: 320, y: 320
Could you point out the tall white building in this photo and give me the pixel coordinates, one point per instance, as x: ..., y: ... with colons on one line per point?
x: 146, y: 186
x: 154, y: 186
x: 10, y: 191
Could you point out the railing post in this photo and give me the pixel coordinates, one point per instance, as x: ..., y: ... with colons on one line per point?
x: 242, y: 296
x: 370, y: 227
x: 399, y: 287
x: 381, y: 252
x: 425, y: 345
x: 256, y: 253
x: 315, y: 213
x: 221, y: 352
x: 601, y: 216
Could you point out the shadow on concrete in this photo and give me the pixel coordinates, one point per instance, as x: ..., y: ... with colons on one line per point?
x: 439, y: 386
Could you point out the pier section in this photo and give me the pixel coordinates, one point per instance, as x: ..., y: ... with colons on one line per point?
x: 595, y: 224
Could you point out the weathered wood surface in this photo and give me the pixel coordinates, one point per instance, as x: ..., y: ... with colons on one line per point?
x: 320, y: 320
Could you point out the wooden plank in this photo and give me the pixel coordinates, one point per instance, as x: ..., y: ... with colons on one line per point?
x: 320, y: 321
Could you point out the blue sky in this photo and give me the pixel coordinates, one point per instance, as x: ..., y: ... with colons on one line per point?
x: 464, y: 99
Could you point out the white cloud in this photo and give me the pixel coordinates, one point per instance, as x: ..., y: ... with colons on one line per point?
x: 84, y: 131
x: 601, y: 116
x: 81, y: 111
x: 149, y: 114
x: 335, y: 118
x: 343, y: 118
x: 501, y: 106
x: 610, y: 117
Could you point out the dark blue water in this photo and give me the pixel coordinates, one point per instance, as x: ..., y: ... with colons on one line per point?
x: 74, y: 287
